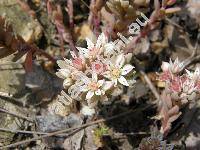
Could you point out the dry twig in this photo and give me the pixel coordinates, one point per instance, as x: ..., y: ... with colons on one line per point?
x: 16, y: 115
x: 30, y: 132
x: 78, y: 127
x: 9, y: 98
x: 151, y: 86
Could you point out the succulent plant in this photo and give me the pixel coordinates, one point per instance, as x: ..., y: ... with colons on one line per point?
x: 125, y: 11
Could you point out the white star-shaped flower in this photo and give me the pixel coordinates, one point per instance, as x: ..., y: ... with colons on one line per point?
x: 92, y: 49
x: 117, y: 70
x: 93, y: 86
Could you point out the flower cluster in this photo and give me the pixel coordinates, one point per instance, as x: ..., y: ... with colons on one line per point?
x: 181, y: 87
x: 95, y: 72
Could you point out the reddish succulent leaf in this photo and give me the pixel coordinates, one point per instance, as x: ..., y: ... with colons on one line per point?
x: 168, y: 112
x: 70, y: 12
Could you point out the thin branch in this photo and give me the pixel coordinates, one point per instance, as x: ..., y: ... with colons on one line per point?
x: 132, y: 134
x: 16, y: 115
x: 151, y: 86
x: 85, y: 4
x: 7, y: 97
x: 78, y: 127
x: 175, y: 24
x: 30, y: 132
x: 193, y: 58
x: 190, y: 61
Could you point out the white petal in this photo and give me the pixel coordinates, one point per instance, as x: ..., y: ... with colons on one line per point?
x: 188, y: 72
x: 176, y: 61
x: 120, y: 60
x: 100, y: 82
x: 67, y: 61
x: 60, y: 75
x: 123, y: 81
x: 165, y: 66
x: 89, y: 94
x: 98, y: 92
x: 107, y: 85
x: 82, y: 77
x: 83, y: 51
x: 101, y: 40
x: 109, y: 48
x: 90, y: 45
x: 94, y: 77
x: 63, y: 73
x: 126, y: 69
x: 170, y: 62
x: 67, y: 82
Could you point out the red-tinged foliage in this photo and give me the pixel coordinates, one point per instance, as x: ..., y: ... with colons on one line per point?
x: 94, y: 16
x: 168, y: 112
x: 11, y: 43
x: 64, y: 34
x: 70, y: 12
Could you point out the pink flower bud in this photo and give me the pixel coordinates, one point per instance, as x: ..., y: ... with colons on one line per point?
x: 98, y: 67
x: 78, y: 63
x: 165, y: 66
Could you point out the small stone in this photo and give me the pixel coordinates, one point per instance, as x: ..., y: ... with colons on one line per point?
x: 23, y: 24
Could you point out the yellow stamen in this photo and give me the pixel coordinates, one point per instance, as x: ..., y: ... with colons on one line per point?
x: 93, y: 86
x: 116, y: 73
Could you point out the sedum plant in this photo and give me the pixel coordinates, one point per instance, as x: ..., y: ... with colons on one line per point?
x: 94, y: 74
x: 124, y: 12
x: 180, y: 88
